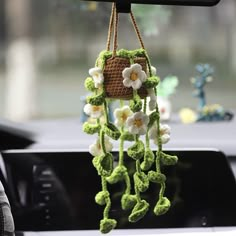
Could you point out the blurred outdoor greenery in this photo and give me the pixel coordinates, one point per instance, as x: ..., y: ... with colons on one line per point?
x: 67, y: 35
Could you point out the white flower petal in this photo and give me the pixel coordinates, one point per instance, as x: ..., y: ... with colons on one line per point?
x: 136, y: 84
x: 165, y: 129
x: 95, y: 70
x: 129, y: 121
x: 87, y: 109
x: 126, y: 72
x: 143, y: 76
x: 165, y: 138
x: 142, y: 130
x: 133, y: 130
x: 127, y: 82
x: 136, y: 67
x: 117, y: 113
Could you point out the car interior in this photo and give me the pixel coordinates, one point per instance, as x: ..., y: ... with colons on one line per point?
x: 48, y: 181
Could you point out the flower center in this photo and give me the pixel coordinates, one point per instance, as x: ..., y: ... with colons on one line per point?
x: 134, y: 76
x: 138, y: 122
x: 124, y: 117
x: 96, y: 74
x: 96, y: 108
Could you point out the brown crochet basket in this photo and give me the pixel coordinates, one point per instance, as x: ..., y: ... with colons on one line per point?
x: 113, y: 80
x: 114, y: 66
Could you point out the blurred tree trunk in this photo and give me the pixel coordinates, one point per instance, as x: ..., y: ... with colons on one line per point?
x: 20, y: 62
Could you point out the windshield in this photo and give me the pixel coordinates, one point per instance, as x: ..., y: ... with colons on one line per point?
x: 47, y: 47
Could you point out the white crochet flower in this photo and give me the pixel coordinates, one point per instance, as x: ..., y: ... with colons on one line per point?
x: 137, y: 123
x: 97, y: 75
x: 121, y: 115
x: 95, y: 149
x: 93, y: 111
x: 134, y: 76
x: 164, y: 132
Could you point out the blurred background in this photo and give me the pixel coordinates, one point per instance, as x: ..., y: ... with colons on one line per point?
x: 47, y: 47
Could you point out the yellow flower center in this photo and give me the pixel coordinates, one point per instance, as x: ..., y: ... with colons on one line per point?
x: 124, y: 117
x: 138, y: 122
x: 96, y: 74
x: 96, y: 108
x: 133, y: 76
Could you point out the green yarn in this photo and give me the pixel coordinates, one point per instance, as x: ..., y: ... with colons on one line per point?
x: 162, y: 206
x: 136, y: 103
x: 104, y: 164
x: 117, y: 175
x: 89, y: 84
x: 106, y: 225
x: 112, y: 131
x: 91, y: 128
x: 139, y: 211
x: 168, y: 160
x: 127, y: 136
x: 137, y: 150
x: 96, y: 100
x: 152, y: 119
x: 151, y: 82
x: 149, y: 159
x: 128, y: 201
x: 156, y: 177
x: 141, y: 181
x: 101, y: 197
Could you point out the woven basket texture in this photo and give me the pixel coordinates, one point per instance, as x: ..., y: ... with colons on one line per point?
x: 113, y: 80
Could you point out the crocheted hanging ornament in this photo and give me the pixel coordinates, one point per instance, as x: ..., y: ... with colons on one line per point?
x: 129, y: 77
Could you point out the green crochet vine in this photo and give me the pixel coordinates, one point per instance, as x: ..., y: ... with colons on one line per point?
x: 130, y: 123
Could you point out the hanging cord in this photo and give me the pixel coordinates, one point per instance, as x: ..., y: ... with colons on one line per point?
x: 110, y: 29
x: 136, y: 29
x: 113, y: 26
x: 115, y: 39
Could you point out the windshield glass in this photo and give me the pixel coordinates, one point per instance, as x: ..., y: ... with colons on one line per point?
x: 47, y: 47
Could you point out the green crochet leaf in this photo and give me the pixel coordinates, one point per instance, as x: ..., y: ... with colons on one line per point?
x: 151, y: 82
x: 136, y: 103
x: 152, y: 119
x: 136, y: 151
x: 117, y: 175
x: 104, y: 164
x: 112, y: 131
x: 141, y: 181
x: 101, y: 197
x: 168, y: 160
x: 149, y: 159
x: 89, y: 84
x: 91, y: 128
x: 162, y: 206
x: 96, y: 100
x: 106, y: 225
x: 139, y: 211
x: 156, y: 177
x: 128, y: 201
x: 127, y: 136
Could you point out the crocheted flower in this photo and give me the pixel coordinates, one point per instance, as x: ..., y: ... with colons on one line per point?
x: 137, y: 123
x: 95, y: 149
x: 134, y: 76
x: 93, y: 111
x: 121, y: 115
x: 164, y: 132
x: 97, y: 75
